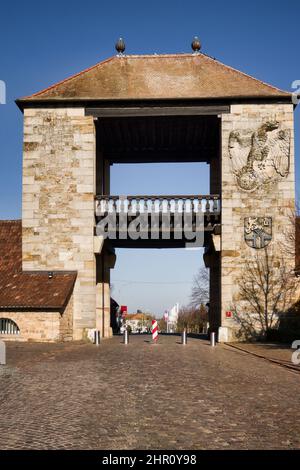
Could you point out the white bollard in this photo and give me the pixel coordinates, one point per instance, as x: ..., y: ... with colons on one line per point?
x: 126, y: 336
x: 97, y: 337
x: 184, y: 337
x: 2, y: 353
x: 213, y: 339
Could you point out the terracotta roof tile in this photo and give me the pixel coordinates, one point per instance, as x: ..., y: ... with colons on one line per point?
x: 28, y: 290
x: 11, y: 246
x: 158, y: 77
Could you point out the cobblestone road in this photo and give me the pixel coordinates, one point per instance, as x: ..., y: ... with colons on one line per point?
x: 169, y: 396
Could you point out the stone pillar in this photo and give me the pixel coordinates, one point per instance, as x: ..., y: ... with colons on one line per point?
x: 213, y: 258
x: 103, y: 295
x: 106, y: 172
x: 214, y: 291
x: 257, y: 181
x: 58, y: 201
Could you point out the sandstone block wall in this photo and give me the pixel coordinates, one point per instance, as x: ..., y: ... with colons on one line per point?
x: 58, y: 201
x: 272, y: 200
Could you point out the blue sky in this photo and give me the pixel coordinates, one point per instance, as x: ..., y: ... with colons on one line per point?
x: 41, y: 43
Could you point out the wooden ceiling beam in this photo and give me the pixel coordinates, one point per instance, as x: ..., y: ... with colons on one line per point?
x: 144, y: 111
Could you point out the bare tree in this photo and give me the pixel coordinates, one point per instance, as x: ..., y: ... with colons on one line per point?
x: 290, y: 245
x: 162, y: 325
x: 266, y: 288
x: 200, y: 289
x: 192, y: 319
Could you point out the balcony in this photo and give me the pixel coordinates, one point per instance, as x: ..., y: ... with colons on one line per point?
x: 157, y: 221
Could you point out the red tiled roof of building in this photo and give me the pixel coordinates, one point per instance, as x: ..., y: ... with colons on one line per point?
x: 138, y: 316
x: 28, y: 290
x: 169, y: 76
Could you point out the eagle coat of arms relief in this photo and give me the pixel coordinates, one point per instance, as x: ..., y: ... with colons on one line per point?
x: 260, y: 157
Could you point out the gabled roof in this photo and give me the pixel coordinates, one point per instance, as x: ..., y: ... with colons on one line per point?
x: 28, y: 290
x: 151, y: 77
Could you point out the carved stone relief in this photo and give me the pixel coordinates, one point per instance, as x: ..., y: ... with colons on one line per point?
x: 258, y: 231
x: 260, y: 157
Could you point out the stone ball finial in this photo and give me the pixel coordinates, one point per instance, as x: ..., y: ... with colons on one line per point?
x: 196, y: 44
x: 120, y: 46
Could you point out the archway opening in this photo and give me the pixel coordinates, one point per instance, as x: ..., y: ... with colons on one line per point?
x: 170, y: 162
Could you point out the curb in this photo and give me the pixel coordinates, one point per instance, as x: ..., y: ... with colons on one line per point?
x: 273, y: 361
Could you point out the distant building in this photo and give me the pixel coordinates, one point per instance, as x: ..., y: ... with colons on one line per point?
x: 172, y: 319
x: 34, y: 305
x: 139, y: 322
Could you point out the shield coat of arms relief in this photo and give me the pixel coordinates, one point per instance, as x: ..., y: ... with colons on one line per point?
x: 258, y: 231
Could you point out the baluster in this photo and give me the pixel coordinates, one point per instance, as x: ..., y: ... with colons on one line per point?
x: 195, y: 204
x: 109, y: 205
x: 215, y: 205
x: 207, y: 205
x: 152, y: 204
x: 147, y: 205
x: 176, y: 211
x: 176, y: 205
x: 114, y: 208
x: 188, y: 205
x: 98, y: 206
x: 106, y: 207
x: 160, y: 205
x: 169, y: 207
x: 128, y: 205
x: 166, y: 206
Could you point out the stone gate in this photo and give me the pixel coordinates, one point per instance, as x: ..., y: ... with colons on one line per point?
x: 154, y: 108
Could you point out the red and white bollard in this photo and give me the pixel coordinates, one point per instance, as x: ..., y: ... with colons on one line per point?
x: 154, y: 331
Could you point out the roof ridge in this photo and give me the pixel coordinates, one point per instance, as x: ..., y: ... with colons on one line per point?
x: 10, y: 221
x: 155, y: 55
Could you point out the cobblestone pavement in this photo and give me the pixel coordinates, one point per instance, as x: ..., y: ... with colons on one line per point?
x: 142, y: 396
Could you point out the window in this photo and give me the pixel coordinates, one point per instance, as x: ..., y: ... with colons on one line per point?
x: 8, y: 327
